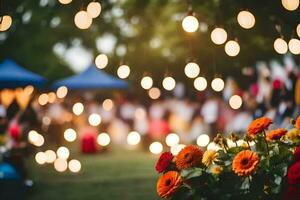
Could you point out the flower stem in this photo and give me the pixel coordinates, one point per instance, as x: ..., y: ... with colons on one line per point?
x: 265, y: 136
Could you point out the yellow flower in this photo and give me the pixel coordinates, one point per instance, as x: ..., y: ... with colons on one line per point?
x: 209, y: 157
x: 293, y: 134
x: 216, y: 169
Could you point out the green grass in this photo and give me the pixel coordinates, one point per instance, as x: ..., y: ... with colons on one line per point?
x: 126, y: 175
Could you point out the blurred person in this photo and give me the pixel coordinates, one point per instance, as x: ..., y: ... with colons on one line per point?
x: 210, y: 113
x: 198, y: 127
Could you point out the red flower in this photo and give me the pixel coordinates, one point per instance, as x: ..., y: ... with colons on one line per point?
x: 297, y: 123
x: 163, y: 162
x: 259, y: 125
x: 294, y: 174
x: 297, y: 154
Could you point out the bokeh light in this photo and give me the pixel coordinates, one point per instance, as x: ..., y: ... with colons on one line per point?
x: 213, y: 146
x: 246, y: 19
x: 65, y: 1
x: 43, y: 99
x: 200, y: 83
x: 169, y: 83
x: 235, y: 102
x: 290, y: 5
x: 101, y: 61
x: 51, y: 97
x: 175, y: 149
x: 70, y: 135
x: 156, y: 147
x: 83, y: 20
x: 232, y: 48
x: 146, y: 82
x: 62, y: 92
x: 50, y: 156
x: 94, y: 119
x: 218, y: 36
x: 217, y: 84
x: 123, y: 71
x: 40, y: 158
x: 63, y: 153
x: 154, y: 93
x: 294, y: 46
x: 5, y: 23
x: 172, y: 139
x: 203, y: 140
x: 133, y: 138
x: 94, y: 9
x: 33, y: 136
x: 74, y: 166
x: 190, y: 24
x: 60, y: 165
x: 298, y: 30
x: 280, y: 46
x: 103, y: 139
x: 78, y: 108
x: 108, y: 104
x: 192, y: 70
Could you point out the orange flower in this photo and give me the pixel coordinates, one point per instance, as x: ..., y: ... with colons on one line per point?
x: 259, y: 125
x: 276, y: 134
x: 189, y: 156
x: 245, y: 163
x: 297, y: 123
x: 168, y: 184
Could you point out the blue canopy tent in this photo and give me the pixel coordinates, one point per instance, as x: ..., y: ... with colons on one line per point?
x: 8, y: 172
x: 91, y: 78
x: 12, y: 76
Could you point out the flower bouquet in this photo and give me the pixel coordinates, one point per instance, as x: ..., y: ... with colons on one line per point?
x: 263, y: 165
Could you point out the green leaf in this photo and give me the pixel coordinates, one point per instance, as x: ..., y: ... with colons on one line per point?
x: 192, y: 173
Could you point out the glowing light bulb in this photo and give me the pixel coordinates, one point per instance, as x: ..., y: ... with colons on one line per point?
x: 95, y: 119
x: 146, y: 82
x: 298, y: 30
x: 217, y: 84
x: 51, y: 97
x: 74, y: 166
x: 169, y: 83
x: 60, y: 165
x: 280, y: 46
x: 294, y: 46
x: 190, y: 24
x: 192, y: 70
x: 133, y: 138
x: 203, y: 140
x: 172, y: 139
x: 78, y: 108
x: 156, y: 147
x: 40, y: 141
x: 5, y: 23
x: 94, y: 9
x: 83, y: 20
x: 290, y: 5
x: 235, y: 102
x: 63, y: 153
x: 50, y: 156
x: 103, y: 139
x: 70, y: 135
x: 101, y: 60
x: 33, y: 136
x: 232, y: 48
x: 175, y: 149
x: 123, y: 71
x: 62, y: 92
x: 40, y: 158
x: 200, y: 83
x: 246, y: 19
x: 108, y: 104
x: 218, y: 36
x: 65, y: 1
x: 43, y: 99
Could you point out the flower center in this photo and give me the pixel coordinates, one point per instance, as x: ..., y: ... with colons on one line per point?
x: 245, y: 161
x: 168, y: 182
x: 188, y: 158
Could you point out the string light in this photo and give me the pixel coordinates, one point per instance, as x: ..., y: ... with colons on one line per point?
x: 40, y: 158
x: 154, y: 93
x: 62, y: 92
x: 217, y: 84
x: 83, y: 20
x: 218, y: 36
x: 60, y: 165
x: 94, y: 9
x: 169, y: 83
x: 123, y: 71
x: 290, y: 5
x: 63, y: 153
x: 103, y: 139
x: 65, y: 1
x: 78, y: 108
x: 298, y: 30
x: 190, y: 24
x: 200, y: 83
x: 246, y: 19
x: 108, y: 104
x: 235, y: 102
x: 5, y: 23
x: 74, y: 166
x: 95, y: 119
x: 172, y: 139
x: 70, y: 135
x: 29, y: 89
x: 280, y: 46
x: 43, y: 99
x: 51, y: 97
x: 101, y: 60
x: 232, y: 48
x: 146, y: 82
x: 133, y: 138
x: 50, y: 156
x: 156, y: 147
x: 203, y: 140
x: 175, y: 149
x: 294, y: 46
x: 192, y: 70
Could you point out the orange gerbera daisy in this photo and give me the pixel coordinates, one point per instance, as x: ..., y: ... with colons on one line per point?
x: 259, y: 125
x: 297, y: 123
x: 276, y: 134
x: 168, y: 184
x: 245, y: 163
x: 189, y: 156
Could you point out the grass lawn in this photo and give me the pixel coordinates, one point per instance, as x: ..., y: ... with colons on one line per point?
x: 126, y: 175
